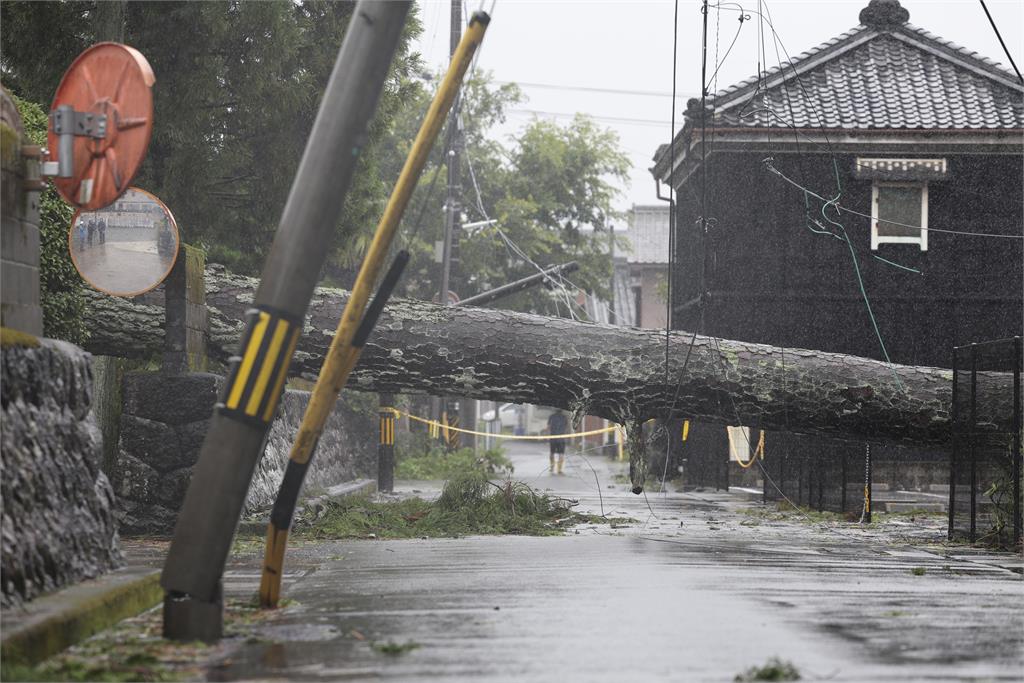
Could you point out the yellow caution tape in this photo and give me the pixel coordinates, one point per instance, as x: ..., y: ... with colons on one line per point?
x: 434, y: 424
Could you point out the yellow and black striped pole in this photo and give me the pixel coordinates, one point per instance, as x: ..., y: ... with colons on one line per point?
x: 386, y: 446
x: 341, y: 356
x: 234, y: 441
x: 295, y: 473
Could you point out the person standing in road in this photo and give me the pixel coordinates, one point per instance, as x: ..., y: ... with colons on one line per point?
x: 558, y: 423
x: 80, y: 235
x: 102, y: 227
x: 91, y: 228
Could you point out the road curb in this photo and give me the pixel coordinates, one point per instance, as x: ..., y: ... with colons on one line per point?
x: 52, y: 623
x: 348, y: 489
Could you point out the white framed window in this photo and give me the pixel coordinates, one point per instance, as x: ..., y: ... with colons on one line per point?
x: 899, y: 213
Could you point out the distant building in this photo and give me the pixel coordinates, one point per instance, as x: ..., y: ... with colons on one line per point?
x: 889, y: 135
x: 641, y: 267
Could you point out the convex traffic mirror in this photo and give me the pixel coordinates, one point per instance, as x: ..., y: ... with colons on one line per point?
x: 126, y: 248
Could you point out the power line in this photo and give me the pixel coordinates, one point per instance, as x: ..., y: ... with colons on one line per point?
x: 611, y: 119
x: 844, y: 209
x: 584, y: 88
x: 671, y: 238
x: 515, y: 250
x: 1000, y: 37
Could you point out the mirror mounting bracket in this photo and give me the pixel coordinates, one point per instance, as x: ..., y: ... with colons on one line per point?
x: 66, y: 122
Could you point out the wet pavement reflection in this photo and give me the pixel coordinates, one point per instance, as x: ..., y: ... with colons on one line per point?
x: 695, y: 589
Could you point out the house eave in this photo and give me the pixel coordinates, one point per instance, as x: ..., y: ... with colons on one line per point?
x: 987, y: 141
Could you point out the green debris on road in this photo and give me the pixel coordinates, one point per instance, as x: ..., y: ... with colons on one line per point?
x: 469, y: 504
x: 774, y: 669
x: 394, y: 649
x: 134, y: 650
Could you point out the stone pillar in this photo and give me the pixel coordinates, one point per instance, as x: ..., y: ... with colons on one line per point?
x: 185, y: 311
x: 19, y: 225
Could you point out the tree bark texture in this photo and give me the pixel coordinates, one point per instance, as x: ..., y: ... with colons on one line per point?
x: 591, y: 369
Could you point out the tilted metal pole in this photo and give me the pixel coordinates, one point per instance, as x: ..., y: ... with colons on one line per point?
x: 518, y: 285
x: 452, y: 209
x: 235, y: 438
x: 357, y: 320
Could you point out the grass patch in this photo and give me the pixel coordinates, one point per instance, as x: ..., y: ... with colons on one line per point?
x: 895, y: 613
x: 918, y: 571
x: 774, y: 669
x: 436, y: 463
x: 394, y: 649
x: 469, y: 504
x: 783, y: 511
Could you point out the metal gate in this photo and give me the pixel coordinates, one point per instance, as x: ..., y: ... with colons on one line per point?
x: 985, y: 465
x: 821, y: 474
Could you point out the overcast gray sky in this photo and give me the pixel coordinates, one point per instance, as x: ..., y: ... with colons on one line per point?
x: 627, y: 46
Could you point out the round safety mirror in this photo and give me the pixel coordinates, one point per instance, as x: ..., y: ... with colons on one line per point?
x: 126, y: 248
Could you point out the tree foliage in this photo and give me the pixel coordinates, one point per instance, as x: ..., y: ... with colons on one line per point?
x: 60, y: 284
x: 551, y: 189
x: 237, y: 89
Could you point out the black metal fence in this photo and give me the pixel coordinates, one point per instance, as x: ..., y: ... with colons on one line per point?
x: 985, y: 466
x: 822, y: 474
x: 702, y: 460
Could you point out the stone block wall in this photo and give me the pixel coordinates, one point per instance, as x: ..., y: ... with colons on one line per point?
x: 185, y: 313
x: 163, y: 423
x: 19, y: 227
x: 58, y: 523
x: 347, y: 449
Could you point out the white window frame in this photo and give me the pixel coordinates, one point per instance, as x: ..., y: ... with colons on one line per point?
x: 877, y: 239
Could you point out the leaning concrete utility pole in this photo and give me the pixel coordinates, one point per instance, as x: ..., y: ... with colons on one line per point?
x: 193, y: 605
x: 358, y: 318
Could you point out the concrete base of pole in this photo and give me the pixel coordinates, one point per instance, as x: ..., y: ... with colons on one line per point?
x: 187, y: 619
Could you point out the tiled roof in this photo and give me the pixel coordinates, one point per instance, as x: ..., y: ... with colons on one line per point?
x: 868, y: 79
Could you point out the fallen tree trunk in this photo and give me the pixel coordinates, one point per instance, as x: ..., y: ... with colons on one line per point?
x: 613, y: 372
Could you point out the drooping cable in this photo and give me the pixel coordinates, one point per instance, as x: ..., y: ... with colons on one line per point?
x: 670, y: 273
x: 1000, y: 37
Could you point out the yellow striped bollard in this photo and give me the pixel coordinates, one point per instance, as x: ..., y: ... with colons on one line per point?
x: 386, y: 445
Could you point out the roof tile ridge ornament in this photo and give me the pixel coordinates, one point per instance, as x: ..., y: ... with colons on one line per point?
x: 692, y: 114
x: 884, y: 15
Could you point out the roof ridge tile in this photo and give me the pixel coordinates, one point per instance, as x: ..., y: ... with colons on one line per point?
x: 882, y: 82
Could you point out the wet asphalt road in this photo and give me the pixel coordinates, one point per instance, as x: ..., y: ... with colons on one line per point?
x: 694, y: 590
x: 122, y: 266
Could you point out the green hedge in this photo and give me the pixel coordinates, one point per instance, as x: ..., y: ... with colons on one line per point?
x: 60, y: 284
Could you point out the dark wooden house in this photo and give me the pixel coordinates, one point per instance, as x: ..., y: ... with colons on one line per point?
x: 864, y: 197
